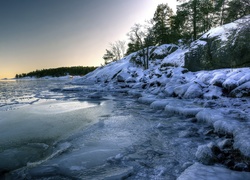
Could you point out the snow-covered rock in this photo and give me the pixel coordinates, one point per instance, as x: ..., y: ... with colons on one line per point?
x: 221, y: 47
x: 242, y: 90
x: 193, y: 91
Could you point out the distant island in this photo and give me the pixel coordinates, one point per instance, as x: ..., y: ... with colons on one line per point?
x: 57, y: 72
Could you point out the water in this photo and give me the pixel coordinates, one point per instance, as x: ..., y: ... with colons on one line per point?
x: 51, y: 130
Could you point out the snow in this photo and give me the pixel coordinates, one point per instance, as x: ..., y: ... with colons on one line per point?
x: 166, y: 86
x: 205, y: 96
x: 176, y: 58
x: 172, y: 100
x: 164, y: 49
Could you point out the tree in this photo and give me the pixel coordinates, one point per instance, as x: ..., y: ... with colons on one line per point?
x: 194, y: 17
x: 237, y: 9
x: 117, y: 51
x: 162, y: 24
x: 108, y: 57
x: 137, y: 35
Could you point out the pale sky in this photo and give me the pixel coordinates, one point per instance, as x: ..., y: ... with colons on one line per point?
x: 40, y: 34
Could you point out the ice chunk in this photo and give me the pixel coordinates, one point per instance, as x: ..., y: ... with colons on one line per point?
x: 200, y: 171
x: 209, y: 116
x: 159, y: 104
x: 146, y: 100
x: 226, y: 126
x: 181, y: 108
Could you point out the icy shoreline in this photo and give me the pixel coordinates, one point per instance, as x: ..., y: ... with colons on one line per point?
x: 139, y: 135
x: 218, y: 98
x: 228, y: 119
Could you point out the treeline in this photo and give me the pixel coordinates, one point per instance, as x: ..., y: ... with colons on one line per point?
x: 192, y: 19
x: 56, y: 72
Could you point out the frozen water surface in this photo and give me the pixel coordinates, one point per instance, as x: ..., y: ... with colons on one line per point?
x: 79, y: 132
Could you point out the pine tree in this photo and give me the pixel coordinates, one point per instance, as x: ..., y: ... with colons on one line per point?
x: 237, y: 9
x: 162, y: 24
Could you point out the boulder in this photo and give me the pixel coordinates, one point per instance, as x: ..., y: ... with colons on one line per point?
x: 122, y: 76
x: 205, y: 154
x: 162, y: 51
x: 226, y: 46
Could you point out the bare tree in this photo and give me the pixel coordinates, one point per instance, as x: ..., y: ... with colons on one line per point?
x: 117, y: 51
x: 137, y: 36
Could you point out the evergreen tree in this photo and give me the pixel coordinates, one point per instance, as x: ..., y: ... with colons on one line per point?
x: 237, y: 9
x: 162, y: 24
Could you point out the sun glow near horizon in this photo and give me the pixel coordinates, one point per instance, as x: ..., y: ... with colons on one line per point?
x: 48, y: 34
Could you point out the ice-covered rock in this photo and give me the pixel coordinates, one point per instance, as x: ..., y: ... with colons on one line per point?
x: 159, y: 104
x: 122, y: 76
x: 193, y: 91
x: 241, y: 141
x: 181, y: 90
x: 200, y: 171
x: 212, y: 92
x: 225, y: 143
x: 241, y: 91
x: 146, y: 100
x: 162, y: 51
x: 205, y: 154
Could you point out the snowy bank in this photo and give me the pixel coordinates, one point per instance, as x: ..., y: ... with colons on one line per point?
x: 218, y: 98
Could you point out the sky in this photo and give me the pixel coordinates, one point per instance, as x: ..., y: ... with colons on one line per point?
x: 41, y: 34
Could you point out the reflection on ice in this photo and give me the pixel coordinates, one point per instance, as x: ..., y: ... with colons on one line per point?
x: 56, y: 107
x: 31, y: 132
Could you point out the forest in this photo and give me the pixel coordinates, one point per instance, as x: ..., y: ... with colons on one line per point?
x: 56, y: 72
x: 192, y: 19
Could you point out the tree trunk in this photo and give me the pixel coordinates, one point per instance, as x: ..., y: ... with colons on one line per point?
x: 194, y: 19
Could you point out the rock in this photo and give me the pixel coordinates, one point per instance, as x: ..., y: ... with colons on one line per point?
x: 205, y: 155
x: 226, y: 46
x: 241, y: 91
x: 229, y: 163
x: 131, y: 80
x: 179, y: 91
x: 162, y: 51
x: 225, y: 143
x: 240, y: 167
x: 122, y: 76
x: 97, y: 95
x: 193, y: 91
